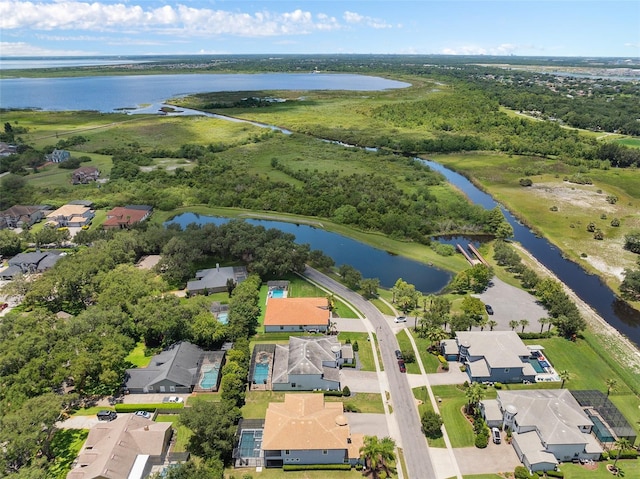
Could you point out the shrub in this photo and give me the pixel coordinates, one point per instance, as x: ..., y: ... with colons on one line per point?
x: 445, y: 365
x: 525, y: 182
x: 316, y: 467
x: 598, y: 234
x: 591, y: 227
x: 603, y: 216
x: 147, y: 407
x: 359, y: 467
x: 498, y: 385
x: 346, y: 392
x: 553, y: 473
x: 350, y: 407
x: 431, y: 424
x: 443, y: 249
x: 521, y: 473
x: 627, y: 454
x: 441, y: 358
x: 355, y: 346
x: 615, y: 222
x: 612, y: 199
x: 332, y: 393
x: 553, y: 208
x: 482, y: 441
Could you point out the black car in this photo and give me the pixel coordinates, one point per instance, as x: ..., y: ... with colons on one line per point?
x: 398, y: 354
x: 106, y: 415
x: 488, y: 308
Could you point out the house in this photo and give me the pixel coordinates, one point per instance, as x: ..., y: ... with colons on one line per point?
x: 493, y: 356
x: 125, y: 448
x: 179, y: 369
x: 19, y: 216
x: 305, y: 430
x: 7, y: 149
x: 214, y: 280
x: 71, y: 215
x: 297, y: 314
x: 58, y: 156
x: 84, y: 175
x: 124, y: 217
x: 26, y: 263
x: 309, y: 363
x: 548, y: 426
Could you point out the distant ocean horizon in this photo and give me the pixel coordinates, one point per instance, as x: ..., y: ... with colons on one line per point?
x: 19, y: 63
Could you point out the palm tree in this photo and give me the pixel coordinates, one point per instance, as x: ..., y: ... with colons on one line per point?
x: 492, y: 323
x: 622, y: 444
x: 482, y: 323
x: 376, y: 453
x: 513, y: 324
x: 475, y: 394
x: 542, y: 322
x: 435, y: 335
x: 524, y: 323
x: 611, y: 385
x: 565, y: 376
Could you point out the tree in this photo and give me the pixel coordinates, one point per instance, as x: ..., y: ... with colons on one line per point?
x: 544, y: 321
x: 370, y: 287
x: 350, y: 276
x: 376, y: 454
x: 431, y: 424
x: 214, y: 427
x: 513, y: 324
x: 622, y: 444
x: 10, y: 243
x: 564, y: 376
x: 612, y: 384
x: 480, y: 276
x: 474, y: 393
x: 632, y: 242
x: 473, y: 308
x: 209, y: 469
x: 524, y: 323
x: 571, y: 324
x: 630, y: 286
x: 435, y: 335
x: 492, y: 324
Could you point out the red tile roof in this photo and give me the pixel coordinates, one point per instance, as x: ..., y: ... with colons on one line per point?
x: 296, y: 312
x: 123, y: 216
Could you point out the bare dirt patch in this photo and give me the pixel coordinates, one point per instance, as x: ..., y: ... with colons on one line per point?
x: 575, y: 196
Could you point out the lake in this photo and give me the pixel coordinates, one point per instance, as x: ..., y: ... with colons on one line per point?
x: 371, y: 262
x: 110, y: 93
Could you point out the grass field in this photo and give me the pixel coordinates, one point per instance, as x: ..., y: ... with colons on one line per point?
x: 365, y: 354
x: 182, y: 432
x: 137, y: 356
x: 65, y: 446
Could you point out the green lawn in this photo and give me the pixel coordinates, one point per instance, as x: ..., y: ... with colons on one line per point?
x: 137, y: 356
x: 66, y: 445
x: 92, y: 411
x: 631, y: 468
x: 429, y: 361
x: 274, y: 473
x: 365, y: 354
x: 183, y: 433
x: 405, y: 345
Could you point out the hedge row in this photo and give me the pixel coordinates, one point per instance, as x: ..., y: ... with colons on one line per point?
x: 316, y: 467
x: 555, y: 473
x: 147, y: 407
x: 626, y: 454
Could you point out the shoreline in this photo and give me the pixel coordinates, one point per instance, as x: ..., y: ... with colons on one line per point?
x: 621, y: 347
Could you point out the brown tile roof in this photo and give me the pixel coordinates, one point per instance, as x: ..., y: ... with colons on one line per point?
x: 296, y: 311
x: 125, y: 216
x: 305, y: 421
x: 68, y: 211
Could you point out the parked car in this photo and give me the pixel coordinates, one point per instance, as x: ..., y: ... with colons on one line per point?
x: 488, y: 308
x: 173, y: 399
x: 495, y: 434
x: 401, y: 365
x: 106, y: 415
x: 4, y: 306
x: 400, y: 319
x: 144, y: 414
x: 398, y: 354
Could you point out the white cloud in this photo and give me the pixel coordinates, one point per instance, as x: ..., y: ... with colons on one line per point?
x: 96, y: 17
x: 21, y: 49
x: 356, y: 18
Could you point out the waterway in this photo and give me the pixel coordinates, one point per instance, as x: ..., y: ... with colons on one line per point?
x: 590, y: 288
x: 130, y: 92
x: 371, y: 262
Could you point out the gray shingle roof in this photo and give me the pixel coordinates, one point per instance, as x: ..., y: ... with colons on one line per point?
x: 501, y: 349
x: 305, y: 355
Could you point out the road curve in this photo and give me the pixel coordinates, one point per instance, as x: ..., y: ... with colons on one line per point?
x: 414, y: 445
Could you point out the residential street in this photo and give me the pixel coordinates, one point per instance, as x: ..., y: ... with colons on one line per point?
x: 414, y: 444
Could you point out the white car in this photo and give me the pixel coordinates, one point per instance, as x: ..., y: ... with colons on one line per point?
x: 144, y: 414
x: 400, y: 319
x: 173, y: 399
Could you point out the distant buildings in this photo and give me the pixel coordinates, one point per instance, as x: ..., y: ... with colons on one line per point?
x: 58, y: 156
x: 20, y: 216
x: 7, y: 149
x: 28, y: 263
x: 123, y: 217
x: 84, y: 175
x: 71, y: 215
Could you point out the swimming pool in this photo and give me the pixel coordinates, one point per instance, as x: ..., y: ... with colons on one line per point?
x: 261, y: 373
x: 223, y: 318
x: 277, y: 293
x: 536, y: 365
x: 601, y: 430
x: 209, y: 376
x: 250, y: 443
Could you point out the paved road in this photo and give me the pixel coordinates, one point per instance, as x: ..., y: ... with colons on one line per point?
x: 414, y: 444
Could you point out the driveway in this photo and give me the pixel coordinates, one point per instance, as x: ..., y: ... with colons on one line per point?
x: 352, y: 325
x: 510, y: 303
x: 360, y: 381
x: 78, y: 422
x: 367, y: 424
x: 150, y: 398
x: 494, y: 458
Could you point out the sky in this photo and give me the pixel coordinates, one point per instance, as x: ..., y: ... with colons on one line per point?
x: 586, y: 28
